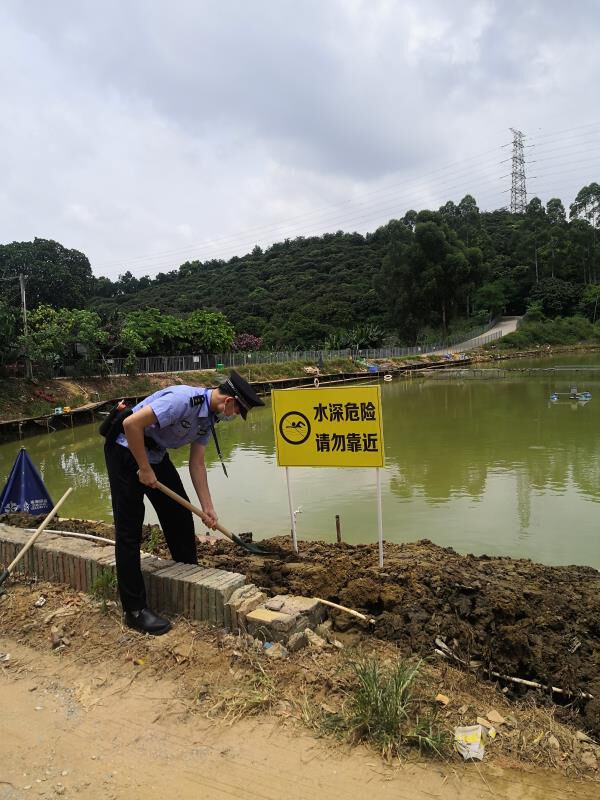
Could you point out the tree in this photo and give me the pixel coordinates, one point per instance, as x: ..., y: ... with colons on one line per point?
x: 150, y: 330
x: 491, y: 298
x: 555, y: 211
x: 9, y: 322
x: 209, y: 332
x: 54, y: 275
x: 247, y: 342
x: 587, y: 206
x: 589, y: 304
x: 55, y: 335
x: 468, y: 218
x: 556, y: 298
x: 554, y: 250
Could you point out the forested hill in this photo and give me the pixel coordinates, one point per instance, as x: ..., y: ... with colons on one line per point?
x: 428, y: 273
x: 296, y: 292
x: 430, y: 270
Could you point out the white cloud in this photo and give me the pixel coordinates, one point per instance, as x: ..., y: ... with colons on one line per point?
x: 135, y: 131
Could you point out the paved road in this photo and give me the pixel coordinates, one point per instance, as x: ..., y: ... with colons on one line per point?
x: 504, y: 326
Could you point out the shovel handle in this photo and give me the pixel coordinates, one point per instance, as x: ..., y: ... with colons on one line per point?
x: 190, y: 507
x: 31, y: 541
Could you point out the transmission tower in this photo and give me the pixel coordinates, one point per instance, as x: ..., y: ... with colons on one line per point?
x: 518, y: 191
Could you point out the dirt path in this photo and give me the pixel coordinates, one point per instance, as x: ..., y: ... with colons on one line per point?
x: 71, y: 730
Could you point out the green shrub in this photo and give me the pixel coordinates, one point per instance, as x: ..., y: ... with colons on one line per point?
x: 559, y: 331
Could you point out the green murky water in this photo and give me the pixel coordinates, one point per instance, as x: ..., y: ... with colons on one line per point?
x: 485, y: 466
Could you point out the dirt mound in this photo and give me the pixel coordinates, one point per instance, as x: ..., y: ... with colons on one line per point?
x: 514, y: 617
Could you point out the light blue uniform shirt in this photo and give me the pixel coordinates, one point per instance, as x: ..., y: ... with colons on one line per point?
x: 184, y: 416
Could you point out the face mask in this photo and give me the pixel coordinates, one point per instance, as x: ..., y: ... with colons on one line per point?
x: 224, y: 418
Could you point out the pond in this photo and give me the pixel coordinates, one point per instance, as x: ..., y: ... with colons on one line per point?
x: 482, y: 465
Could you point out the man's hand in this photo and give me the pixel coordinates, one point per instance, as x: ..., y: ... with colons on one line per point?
x: 211, y: 517
x: 147, y: 477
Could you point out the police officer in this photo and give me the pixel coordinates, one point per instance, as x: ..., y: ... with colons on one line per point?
x: 137, y: 458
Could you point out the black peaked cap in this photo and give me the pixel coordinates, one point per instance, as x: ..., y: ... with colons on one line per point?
x: 238, y: 387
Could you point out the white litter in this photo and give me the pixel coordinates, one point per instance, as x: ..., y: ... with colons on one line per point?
x: 470, y: 741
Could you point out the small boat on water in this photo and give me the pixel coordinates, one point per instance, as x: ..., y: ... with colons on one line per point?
x: 573, y: 394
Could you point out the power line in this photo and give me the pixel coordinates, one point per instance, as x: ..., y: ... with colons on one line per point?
x: 385, y: 199
x: 307, y: 215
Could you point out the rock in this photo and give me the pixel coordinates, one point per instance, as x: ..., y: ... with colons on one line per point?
x: 297, y: 641
x: 56, y: 636
x: 275, y: 604
x: 589, y: 759
x: 276, y: 650
x: 314, y: 639
x: 553, y: 742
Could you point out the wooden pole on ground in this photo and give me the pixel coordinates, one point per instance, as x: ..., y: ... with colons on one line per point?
x: 338, y: 530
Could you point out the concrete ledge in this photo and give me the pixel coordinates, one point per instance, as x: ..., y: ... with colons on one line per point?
x: 210, y: 595
x: 198, y: 593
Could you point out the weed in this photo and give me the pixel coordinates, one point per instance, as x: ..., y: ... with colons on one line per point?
x: 257, y: 693
x: 381, y: 707
x: 152, y: 544
x: 104, y: 586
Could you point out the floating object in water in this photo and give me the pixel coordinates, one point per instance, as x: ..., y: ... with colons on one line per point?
x: 581, y: 397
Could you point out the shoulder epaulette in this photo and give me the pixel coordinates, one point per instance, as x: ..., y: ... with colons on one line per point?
x: 196, y: 400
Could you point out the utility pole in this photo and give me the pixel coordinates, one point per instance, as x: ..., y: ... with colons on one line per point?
x: 28, y: 369
x: 518, y: 191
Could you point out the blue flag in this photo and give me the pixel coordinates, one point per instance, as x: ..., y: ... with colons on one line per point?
x: 25, y: 490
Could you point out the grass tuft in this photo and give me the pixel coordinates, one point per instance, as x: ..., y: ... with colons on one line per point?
x: 382, y: 708
x: 104, y: 587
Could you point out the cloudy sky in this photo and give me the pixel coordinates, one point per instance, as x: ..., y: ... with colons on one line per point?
x: 149, y: 132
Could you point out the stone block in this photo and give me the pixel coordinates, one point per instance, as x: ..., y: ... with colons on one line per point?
x: 149, y: 565
x: 242, y: 602
x: 154, y: 595
x: 181, y: 587
x: 202, y: 593
x: 231, y: 582
x: 297, y: 641
x: 165, y: 586
x: 307, y: 607
x: 194, y: 590
x: 270, y: 626
x: 209, y: 595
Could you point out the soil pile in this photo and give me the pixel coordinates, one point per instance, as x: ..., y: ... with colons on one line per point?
x: 515, y: 617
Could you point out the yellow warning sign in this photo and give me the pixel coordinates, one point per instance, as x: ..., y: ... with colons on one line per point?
x: 328, y: 427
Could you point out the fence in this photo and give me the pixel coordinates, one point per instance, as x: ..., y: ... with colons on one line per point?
x: 146, y: 365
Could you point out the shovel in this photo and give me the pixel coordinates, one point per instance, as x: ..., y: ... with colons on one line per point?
x: 233, y: 537
x: 6, y: 572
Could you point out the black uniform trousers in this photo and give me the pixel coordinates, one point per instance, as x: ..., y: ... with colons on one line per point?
x: 128, y: 509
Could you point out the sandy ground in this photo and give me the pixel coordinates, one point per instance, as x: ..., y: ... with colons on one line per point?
x: 105, y: 732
